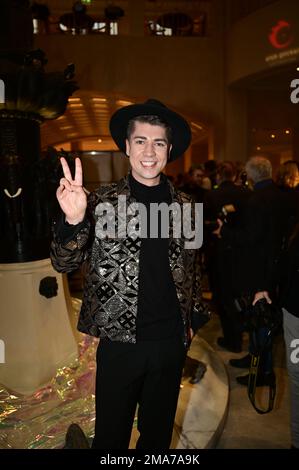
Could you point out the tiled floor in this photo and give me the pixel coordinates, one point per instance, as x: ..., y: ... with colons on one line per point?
x: 245, y: 428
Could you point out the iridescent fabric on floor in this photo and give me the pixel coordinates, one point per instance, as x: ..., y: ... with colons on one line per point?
x: 40, y: 421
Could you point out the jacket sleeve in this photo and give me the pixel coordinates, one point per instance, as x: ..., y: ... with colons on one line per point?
x: 70, y: 244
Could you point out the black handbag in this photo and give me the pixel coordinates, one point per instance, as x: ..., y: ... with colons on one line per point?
x: 256, y: 317
x: 260, y: 315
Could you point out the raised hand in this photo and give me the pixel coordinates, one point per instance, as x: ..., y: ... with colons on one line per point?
x: 70, y: 193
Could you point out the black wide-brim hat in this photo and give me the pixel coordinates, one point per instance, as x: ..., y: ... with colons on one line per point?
x: 181, y: 132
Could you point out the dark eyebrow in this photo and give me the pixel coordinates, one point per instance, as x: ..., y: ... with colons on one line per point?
x: 144, y: 138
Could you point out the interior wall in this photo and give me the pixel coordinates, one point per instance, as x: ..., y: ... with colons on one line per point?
x: 249, y: 50
x: 184, y: 73
x: 192, y: 75
x: 271, y: 112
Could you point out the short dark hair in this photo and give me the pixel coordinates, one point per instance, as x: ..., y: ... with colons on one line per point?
x: 193, y: 168
x: 153, y: 121
x: 227, y: 171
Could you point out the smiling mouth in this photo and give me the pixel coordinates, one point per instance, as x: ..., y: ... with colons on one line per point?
x: 148, y: 164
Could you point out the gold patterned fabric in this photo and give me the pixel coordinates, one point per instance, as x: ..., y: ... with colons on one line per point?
x: 111, y: 270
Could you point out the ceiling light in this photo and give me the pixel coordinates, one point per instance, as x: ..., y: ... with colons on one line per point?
x: 99, y: 99
x: 73, y: 100
x: 100, y: 140
x: 123, y: 102
x: 258, y: 148
x: 273, y: 136
x: 196, y: 125
x: 287, y: 131
x: 76, y: 105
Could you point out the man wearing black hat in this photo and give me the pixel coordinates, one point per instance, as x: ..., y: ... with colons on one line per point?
x: 140, y: 293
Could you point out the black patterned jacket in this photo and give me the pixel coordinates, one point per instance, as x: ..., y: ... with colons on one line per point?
x: 111, y: 270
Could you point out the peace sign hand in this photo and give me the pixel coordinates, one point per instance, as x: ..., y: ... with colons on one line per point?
x: 70, y: 194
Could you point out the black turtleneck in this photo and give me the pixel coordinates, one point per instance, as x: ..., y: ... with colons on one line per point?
x: 158, y: 314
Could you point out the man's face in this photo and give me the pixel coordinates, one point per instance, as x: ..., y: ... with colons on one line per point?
x: 148, y: 151
x: 197, y: 176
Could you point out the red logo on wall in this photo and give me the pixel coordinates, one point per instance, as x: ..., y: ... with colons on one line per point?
x: 281, y: 35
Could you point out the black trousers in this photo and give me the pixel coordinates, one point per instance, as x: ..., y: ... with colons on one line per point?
x: 147, y: 374
x: 230, y: 319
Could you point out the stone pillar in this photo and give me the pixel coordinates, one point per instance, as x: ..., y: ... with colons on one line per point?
x: 236, y: 130
x: 76, y: 145
x: 295, y: 143
x: 16, y: 24
x: 187, y: 159
x: 35, y: 327
x: 211, y: 145
x: 136, y: 14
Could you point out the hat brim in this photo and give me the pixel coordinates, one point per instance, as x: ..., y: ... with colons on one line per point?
x: 181, y: 133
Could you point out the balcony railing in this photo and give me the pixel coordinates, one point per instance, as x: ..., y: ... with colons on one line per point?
x: 160, y: 18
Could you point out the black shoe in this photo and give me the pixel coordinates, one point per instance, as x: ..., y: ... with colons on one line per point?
x: 243, y: 363
x: 223, y: 344
x: 262, y: 379
x: 75, y: 438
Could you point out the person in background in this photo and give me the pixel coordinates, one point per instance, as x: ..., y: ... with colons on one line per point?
x: 260, y: 240
x: 289, y: 301
x: 210, y: 181
x: 287, y: 179
x: 194, y: 184
x: 221, y: 255
x: 288, y: 175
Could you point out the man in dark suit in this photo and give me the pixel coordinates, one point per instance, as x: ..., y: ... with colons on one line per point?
x: 220, y: 256
x: 260, y: 240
